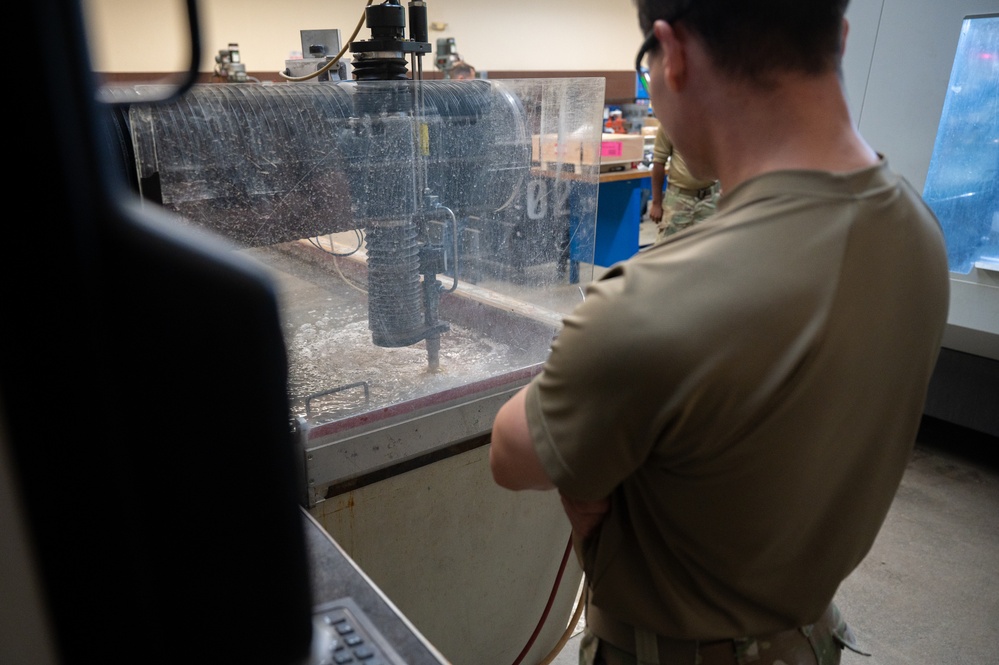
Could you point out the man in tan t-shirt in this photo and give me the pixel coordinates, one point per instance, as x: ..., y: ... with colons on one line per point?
x: 728, y: 414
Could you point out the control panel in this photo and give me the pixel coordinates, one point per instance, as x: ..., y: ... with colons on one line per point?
x: 344, y: 635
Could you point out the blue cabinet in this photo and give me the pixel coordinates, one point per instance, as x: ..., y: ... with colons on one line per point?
x: 619, y: 215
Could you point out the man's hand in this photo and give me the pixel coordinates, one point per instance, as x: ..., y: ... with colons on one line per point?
x: 584, y: 516
x: 656, y: 211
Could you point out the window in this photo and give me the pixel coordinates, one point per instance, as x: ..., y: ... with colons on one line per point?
x: 962, y: 184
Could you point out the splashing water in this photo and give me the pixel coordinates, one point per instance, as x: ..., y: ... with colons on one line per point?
x: 325, y: 354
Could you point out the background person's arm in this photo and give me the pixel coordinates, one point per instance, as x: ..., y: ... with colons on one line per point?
x: 658, y: 179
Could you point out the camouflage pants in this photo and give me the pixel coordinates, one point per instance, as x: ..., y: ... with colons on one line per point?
x: 818, y: 644
x: 681, y: 210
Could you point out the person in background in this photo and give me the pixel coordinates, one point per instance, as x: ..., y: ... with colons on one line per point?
x: 615, y: 123
x: 688, y: 200
x: 728, y: 415
x: 461, y: 71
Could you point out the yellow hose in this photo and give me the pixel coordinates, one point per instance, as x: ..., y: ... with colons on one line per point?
x: 580, y: 604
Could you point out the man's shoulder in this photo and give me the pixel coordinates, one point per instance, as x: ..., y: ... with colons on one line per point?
x: 805, y: 186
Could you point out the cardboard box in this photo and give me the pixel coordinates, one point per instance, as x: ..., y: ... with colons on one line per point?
x: 612, y: 147
x: 622, y: 147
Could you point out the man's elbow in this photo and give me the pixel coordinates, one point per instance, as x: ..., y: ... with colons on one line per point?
x: 515, y: 474
x: 503, y: 474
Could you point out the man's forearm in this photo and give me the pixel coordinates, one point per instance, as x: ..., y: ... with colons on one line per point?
x: 658, y: 179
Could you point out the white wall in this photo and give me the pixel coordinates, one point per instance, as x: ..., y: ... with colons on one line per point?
x: 530, y: 35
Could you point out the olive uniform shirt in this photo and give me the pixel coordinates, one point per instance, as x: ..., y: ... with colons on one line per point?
x: 679, y: 174
x: 687, y: 200
x: 747, y: 394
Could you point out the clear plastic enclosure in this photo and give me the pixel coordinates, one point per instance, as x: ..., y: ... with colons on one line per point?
x: 421, y: 236
x: 962, y: 184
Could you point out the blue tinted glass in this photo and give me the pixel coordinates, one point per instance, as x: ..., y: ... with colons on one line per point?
x: 962, y: 184
x: 641, y: 87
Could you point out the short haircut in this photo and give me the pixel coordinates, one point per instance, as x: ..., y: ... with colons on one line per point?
x: 463, y: 68
x: 755, y: 39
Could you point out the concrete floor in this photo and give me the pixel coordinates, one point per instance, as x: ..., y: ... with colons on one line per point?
x: 928, y: 592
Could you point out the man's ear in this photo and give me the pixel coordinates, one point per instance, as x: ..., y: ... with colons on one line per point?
x: 674, y: 61
x: 842, y: 39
